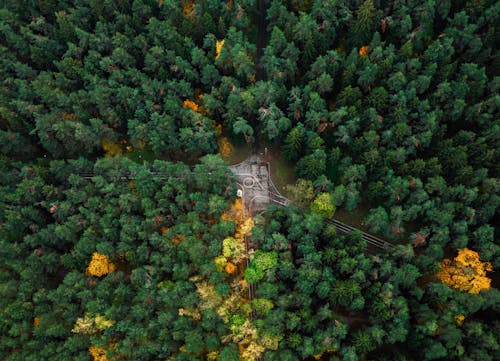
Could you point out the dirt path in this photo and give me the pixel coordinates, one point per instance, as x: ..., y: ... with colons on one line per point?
x: 261, y: 36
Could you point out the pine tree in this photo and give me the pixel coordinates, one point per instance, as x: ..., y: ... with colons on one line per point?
x: 365, y: 24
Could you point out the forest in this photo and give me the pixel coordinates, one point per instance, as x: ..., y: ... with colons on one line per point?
x: 121, y: 233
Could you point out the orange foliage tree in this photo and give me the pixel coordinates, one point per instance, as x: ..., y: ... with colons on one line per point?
x: 363, y: 51
x: 190, y: 104
x: 188, y: 9
x: 68, y: 116
x: 230, y: 268
x: 465, y: 272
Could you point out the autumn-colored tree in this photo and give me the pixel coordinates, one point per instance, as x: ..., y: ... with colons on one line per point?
x: 194, y: 313
x: 236, y: 213
x: 179, y: 238
x: 233, y: 248
x: 209, y: 299
x: 220, y: 263
x: 98, y: 353
x: 363, y: 51
x: 190, y: 104
x: 230, y: 268
x: 245, y: 335
x: 244, y: 228
x: 91, y: 324
x: 225, y: 147
x: 218, y: 48
x: 466, y: 272
x: 69, y: 116
x: 100, y: 265
x: 188, y: 9
x: 459, y: 319
x: 110, y: 148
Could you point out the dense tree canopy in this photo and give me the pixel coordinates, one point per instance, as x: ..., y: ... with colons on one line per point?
x: 121, y: 236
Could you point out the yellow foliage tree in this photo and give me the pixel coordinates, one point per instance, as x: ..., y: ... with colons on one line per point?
x: 110, y: 148
x: 231, y: 305
x: 36, y: 321
x: 208, y: 296
x: 218, y: 48
x: 102, y: 322
x: 194, y: 313
x: 248, y: 340
x: 225, y: 147
x: 236, y: 213
x: 212, y: 356
x: 91, y: 324
x: 466, y: 272
x: 98, y: 353
x: 84, y: 325
x: 252, y: 352
x: 459, y: 320
x: 244, y: 332
x: 245, y: 228
x: 100, y: 265
x: 233, y: 248
x: 220, y: 263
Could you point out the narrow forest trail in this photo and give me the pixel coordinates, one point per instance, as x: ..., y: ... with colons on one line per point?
x: 260, y: 74
x: 261, y: 36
